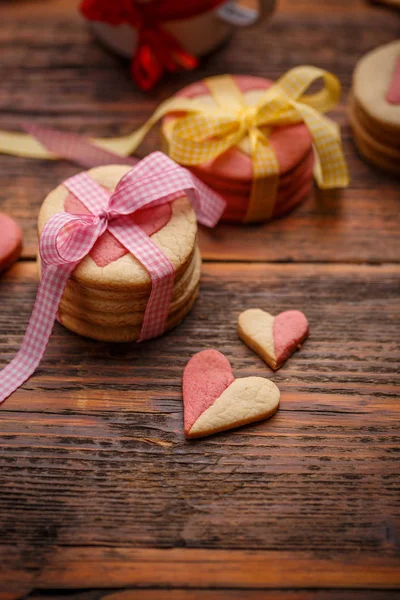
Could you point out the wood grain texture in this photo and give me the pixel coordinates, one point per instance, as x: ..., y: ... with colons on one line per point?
x: 159, y: 594
x: 86, y: 567
x: 230, y: 594
x: 101, y: 496
x: 54, y: 73
x: 95, y: 470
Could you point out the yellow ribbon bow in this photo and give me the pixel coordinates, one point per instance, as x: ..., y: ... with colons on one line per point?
x: 206, y: 131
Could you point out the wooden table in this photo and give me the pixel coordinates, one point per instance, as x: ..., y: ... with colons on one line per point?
x: 99, y: 491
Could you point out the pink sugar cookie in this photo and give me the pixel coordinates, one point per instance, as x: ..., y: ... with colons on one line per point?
x: 215, y: 401
x: 274, y: 339
x: 281, y: 210
x: 287, y: 198
x: 228, y: 185
x: 290, y: 143
x: 300, y: 196
x: 10, y: 241
x: 107, y: 249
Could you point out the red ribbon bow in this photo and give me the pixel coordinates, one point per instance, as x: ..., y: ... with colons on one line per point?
x: 157, y: 50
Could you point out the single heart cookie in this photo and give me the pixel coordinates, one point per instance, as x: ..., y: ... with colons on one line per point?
x: 273, y: 338
x: 214, y: 400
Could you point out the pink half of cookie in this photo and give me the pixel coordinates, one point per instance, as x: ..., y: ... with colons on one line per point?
x: 393, y: 94
x: 290, y: 328
x: 290, y: 143
x: 206, y: 376
x: 10, y: 241
x: 107, y: 249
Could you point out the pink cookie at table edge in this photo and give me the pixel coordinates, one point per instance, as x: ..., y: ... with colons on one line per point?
x: 206, y: 376
x: 107, y: 248
x: 290, y: 143
x: 10, y: 241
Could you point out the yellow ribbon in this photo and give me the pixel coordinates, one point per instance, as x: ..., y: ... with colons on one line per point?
x: 207, y: 131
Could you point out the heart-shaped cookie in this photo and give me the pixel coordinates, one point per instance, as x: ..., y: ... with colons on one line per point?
x: 273, y: 338
x: 214, y: 400
x: 107, y: 249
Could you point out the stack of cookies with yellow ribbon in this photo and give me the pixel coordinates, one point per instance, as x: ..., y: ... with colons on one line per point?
x: 374, y: 107
x: 253, y: 141
x: 107, y: 293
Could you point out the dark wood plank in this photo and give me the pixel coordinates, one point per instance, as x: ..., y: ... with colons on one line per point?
x: 96, y: 474
x: 98, y: 488
x: 53, y: 73
x: 159, y: 594
x: 88, y: 567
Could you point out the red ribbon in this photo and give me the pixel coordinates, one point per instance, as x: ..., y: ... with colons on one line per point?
x: 157, y: 50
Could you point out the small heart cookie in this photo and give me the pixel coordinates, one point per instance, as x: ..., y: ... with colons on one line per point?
x: 274, y: 339
x: 214, y: 400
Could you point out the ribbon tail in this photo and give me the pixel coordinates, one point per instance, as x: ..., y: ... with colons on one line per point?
x: 207, y: 213
x: 146, y: 69
x: 158, y: 266
x: 158, y: 51
x: 175, y: 56
x: 331, y: 168
x: 51, y: 287
x: 75, y: 147
x: 51, y: 144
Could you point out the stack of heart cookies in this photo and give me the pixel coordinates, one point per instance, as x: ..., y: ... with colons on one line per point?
x: 231, y: 173
x: 374, y: 107
x: 107, y: 293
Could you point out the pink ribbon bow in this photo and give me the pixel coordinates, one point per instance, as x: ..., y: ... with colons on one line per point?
x: 67, y: 238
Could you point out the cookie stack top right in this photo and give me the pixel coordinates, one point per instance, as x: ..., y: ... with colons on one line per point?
x: 374, y: 107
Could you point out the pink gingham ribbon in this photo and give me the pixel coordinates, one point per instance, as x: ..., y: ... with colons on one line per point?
x: 67, y: 238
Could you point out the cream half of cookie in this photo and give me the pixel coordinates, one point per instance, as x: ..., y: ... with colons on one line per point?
x: 215, y: 401
x: 273, y: 338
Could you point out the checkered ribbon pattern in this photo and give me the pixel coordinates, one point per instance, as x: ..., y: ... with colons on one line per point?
x: 202, y: 132
x: 67, y: 238
x: 203, y: 136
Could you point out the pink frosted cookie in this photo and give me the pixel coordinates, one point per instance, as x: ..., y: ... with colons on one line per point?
x: 232, y: 171
x: 215, y: 401
x: 290, y: 195
x: 244, y: 187
x: 10, y: 241
x: 107, y: 293
x: 107, y: 249
x: 274, y: 339
x: 290, y: 143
